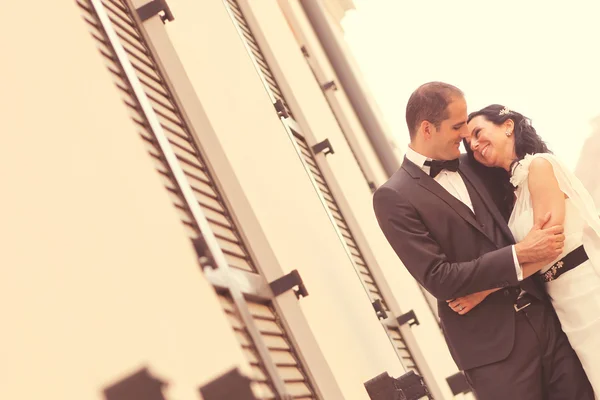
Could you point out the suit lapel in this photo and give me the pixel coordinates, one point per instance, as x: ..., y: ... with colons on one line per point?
x: 431, y: 185
x: 473, y: 179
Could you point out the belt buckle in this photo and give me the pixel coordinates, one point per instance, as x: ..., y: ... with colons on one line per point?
x: 517, y: 308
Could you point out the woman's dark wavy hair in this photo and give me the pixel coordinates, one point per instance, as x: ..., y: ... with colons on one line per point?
x: 527, y: 141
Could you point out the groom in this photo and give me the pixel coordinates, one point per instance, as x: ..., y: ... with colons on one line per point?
x: 446, y: 229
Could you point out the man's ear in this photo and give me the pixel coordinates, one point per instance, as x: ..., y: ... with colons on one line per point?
x: 428, y: 129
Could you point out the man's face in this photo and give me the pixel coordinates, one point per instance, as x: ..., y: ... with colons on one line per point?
x: 444, y: 142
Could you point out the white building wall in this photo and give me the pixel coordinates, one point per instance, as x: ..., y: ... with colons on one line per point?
x: 99, y: 278
x: 587, y: 166
x: 278, y: 191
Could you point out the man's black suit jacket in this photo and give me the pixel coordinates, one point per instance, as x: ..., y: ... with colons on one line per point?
x: 453, y: 252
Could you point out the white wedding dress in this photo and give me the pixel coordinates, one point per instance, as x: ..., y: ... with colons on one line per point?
x: 575, y: 294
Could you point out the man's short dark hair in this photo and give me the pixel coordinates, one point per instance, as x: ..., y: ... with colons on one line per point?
x: 429, y: 103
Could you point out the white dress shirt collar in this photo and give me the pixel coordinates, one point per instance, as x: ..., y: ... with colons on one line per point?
x: 417, y: 158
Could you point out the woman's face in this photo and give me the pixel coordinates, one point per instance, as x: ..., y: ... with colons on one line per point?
x: 491, y: 144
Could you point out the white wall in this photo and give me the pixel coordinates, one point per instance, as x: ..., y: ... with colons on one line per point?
x: 99, y: 278
x: 278, y: 190
x: 587, y: 165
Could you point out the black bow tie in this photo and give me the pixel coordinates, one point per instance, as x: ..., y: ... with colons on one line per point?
x: 436, y: 166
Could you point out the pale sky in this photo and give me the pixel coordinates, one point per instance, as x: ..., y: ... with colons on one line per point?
x: 534, y: 57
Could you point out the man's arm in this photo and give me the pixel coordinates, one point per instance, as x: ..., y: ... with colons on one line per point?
x: 462, y: 305
x: 423, y: 256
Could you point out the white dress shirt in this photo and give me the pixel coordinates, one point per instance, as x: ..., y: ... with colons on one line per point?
x: 454, y: 184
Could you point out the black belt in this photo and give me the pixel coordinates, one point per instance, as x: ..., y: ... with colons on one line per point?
x: 524, y: 301
x: 567, y: 263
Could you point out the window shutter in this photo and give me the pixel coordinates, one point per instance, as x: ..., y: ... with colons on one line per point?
x: 308, y: 157
x: 277, y: 369
x: 257, y: 55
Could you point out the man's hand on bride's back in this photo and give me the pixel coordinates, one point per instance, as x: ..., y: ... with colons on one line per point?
x: 541, y: 244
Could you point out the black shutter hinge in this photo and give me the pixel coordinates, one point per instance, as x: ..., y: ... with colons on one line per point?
x: 409, y: 386
x: 304, y: 51
x: 409, y: 318
x: 288, y: 282
x: 280, y: 108
x: 384, y: 387
x: 329, y: 85
x: 205, y: 257
x: 231, y: 385
x: 379, y: 309
x: 372, y: 186
x: 321, y: 146
x: 142, y: 384
x: 413, y: 386
x: 154, y: 7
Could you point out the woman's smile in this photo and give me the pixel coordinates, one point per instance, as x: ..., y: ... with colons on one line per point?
x: 484, y: 150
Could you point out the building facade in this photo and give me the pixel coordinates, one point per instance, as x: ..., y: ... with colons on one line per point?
x: 189, y: 193
x: 586, y: 165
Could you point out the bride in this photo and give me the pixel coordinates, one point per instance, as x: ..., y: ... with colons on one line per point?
x: 506, y: 139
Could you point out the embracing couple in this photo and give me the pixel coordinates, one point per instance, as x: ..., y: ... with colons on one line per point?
x: 508, y: 241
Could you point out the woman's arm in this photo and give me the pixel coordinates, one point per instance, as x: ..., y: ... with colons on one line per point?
x: 546, y: 196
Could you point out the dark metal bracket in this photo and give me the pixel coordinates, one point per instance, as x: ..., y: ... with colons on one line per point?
x: 304, y: 51
x: 409, y: 318
x: 413, y: 386
x: 379, y: 309
x: 372, y: 186
x: 329, y: 85
x: 205, y: 257
x: 142, y: 384
x: 288, y: 282
x: 231, y: 385
x: 280, y: 108
x: 321, y: 146
x: 409, y: 386
x: 154, y: 7
x: 384, y: 387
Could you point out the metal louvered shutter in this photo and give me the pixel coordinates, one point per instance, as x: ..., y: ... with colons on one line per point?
x: 304, y: 149
x: 403, y: 351
x: 340, y: 221
x: 259, y: 374
x: 254, y: 48
x: 277, y: 370
x: 337, y: 113
x: 172, y: 123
